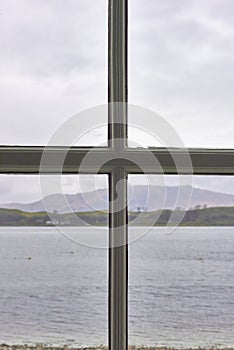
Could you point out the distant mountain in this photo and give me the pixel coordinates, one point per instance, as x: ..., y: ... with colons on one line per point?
x: 158, y: 198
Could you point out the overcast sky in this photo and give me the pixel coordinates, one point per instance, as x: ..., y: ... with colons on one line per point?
x: 181, y: 66
x: 53, y: 64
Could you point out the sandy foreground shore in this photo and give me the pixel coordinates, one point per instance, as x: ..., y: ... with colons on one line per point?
x: 43, y: 347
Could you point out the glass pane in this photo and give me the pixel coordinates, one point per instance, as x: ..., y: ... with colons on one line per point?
x: 53, y: 286
x: 181, y: 67
x: 181, y: 279
x: 53, y: 65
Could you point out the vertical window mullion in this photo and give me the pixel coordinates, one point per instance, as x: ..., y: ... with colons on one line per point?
x: 117, y: 136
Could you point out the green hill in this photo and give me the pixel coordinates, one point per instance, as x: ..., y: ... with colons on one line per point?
x: 218, y: 216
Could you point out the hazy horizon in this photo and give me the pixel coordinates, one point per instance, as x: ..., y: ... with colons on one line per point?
x: 26, y: 188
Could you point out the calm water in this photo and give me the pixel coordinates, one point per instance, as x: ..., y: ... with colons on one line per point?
x: 55, y: 291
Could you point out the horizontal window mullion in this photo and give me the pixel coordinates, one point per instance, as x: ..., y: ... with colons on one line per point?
x: 23, y: 160
x: 27, y: 160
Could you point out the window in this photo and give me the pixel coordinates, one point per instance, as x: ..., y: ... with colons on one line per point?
x: 121, y: 163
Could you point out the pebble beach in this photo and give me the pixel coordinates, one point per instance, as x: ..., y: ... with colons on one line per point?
x: 44, y: 347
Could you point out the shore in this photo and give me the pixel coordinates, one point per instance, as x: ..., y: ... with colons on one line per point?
x: 45, y: 347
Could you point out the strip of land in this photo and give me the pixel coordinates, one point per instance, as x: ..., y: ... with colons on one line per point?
x: 217, y: 216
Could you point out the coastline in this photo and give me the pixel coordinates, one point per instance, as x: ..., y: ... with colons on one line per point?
x: 101, y: 347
